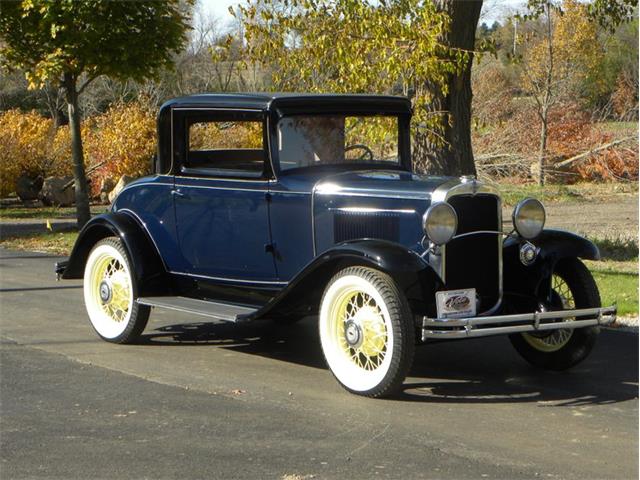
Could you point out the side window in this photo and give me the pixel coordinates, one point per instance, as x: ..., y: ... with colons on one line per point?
x: 224, y: 146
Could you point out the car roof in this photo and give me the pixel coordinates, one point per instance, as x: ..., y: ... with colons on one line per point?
x: 294, y: 102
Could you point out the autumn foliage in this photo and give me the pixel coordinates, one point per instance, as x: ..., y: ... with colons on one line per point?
x: 30, y: 146
x: 119, y: 142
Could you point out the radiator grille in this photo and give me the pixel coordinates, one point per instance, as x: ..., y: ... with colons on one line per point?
x: 474, y: 261
x: 353, y: 225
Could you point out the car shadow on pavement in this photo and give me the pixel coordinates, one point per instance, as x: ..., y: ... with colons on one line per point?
x: 490, y: 371
x: 296, y: 343
x: 482, y: 371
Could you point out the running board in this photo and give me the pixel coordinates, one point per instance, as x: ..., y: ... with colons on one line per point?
x: 219, y: 311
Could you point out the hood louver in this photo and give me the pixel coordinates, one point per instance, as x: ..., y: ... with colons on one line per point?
x: 354, y: 225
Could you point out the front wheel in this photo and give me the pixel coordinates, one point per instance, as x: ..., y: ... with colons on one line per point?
x: 110, y: 293
x: 573, y: 287
x: 366, y: 331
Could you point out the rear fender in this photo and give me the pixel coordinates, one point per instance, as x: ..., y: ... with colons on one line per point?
x: 148, y: 268
x: 412, y: 274
x: 554, y: 245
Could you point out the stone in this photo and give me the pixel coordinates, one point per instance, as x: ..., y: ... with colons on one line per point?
x: 52, y: 192
x: 124, y: 180
x: 107, y: 184
x: 28, y: 188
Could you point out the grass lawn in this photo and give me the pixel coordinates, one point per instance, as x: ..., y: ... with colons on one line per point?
x: 19, y: 212
x: 579, y: 192
x: 57, y: 243
x: 617, y: 287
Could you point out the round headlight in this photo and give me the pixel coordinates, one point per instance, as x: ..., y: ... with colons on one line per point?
x: 529, y: 217
x: 440, y: 223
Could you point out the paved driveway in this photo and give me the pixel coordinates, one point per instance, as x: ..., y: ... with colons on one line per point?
x: 203, y: 400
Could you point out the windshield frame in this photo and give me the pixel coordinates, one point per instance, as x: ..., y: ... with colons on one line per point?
x: 404, y: 144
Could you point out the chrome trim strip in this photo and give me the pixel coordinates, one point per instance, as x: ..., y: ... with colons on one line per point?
x: 231, y: 280
x: 211, y: 187
x: 144, y: 184
x: 219, y: 109
x: 377, y: 194
x: 481, y: 232
x: 294, y: 192
x: 313, y: 218
x: 372, y: 210
x: 225, y: 179
x: 475, y: 326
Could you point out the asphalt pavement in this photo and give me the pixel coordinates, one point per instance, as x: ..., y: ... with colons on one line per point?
x: 198, y: 399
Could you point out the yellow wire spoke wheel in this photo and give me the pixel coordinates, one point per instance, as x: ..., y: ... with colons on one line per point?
x: 556, y: 339
x: 364, y: 324
x: 109, y: 293
x: 573, y: 287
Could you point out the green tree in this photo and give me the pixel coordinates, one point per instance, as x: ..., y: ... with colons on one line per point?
x: 72, y: 42
x: 420, y: 49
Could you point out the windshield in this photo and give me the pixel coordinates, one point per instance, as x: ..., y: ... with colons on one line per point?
x: 308, y: 140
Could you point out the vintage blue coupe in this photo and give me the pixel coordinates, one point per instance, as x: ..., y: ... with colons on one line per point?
x: 281, y: 206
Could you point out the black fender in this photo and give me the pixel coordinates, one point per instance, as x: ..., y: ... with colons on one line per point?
x: 414, y: 276
x: 534, y: 281
x: 148, y: 267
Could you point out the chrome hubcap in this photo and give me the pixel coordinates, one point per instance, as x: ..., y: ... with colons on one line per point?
x: 105, y: 291
x: 352, y: 334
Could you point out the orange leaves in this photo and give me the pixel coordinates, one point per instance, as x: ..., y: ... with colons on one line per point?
x: 124, y: 139
x: 29, y: 146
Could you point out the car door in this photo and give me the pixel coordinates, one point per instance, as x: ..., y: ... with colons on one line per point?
x: 221, y: 195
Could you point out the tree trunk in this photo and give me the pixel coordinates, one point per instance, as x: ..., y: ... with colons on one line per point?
x: 454, y: 156
x: 547, y: 99
x: 542, y: 153
x: 83, y: 213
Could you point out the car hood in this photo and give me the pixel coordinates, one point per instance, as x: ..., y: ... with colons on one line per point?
x: 380, y: 183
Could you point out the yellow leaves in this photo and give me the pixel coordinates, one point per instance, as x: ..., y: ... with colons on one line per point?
x: 574, y: 55
x: 225, y: 135
x: 124, y: 138
x: 347, y: 46
x: 28, y: 146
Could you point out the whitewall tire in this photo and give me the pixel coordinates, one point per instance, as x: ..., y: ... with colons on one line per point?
x: 110, y: 293
x: 366, y: 331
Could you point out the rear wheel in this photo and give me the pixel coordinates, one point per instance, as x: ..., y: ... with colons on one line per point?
x: 572, y: 287
x: 110, y: 292
x: 366, y: 331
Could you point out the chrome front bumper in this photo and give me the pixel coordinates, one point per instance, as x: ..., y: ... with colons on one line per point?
x: 523, y: 322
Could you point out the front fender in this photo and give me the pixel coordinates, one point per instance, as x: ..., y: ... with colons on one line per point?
x: 554, y: 245
x: 148, y: 268
x: 413, y: 275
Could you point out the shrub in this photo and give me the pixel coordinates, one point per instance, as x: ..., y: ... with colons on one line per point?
x: 124, y: 139
x: 27, y: 147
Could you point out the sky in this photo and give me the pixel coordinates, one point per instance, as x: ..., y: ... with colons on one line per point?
x: 491, y: 10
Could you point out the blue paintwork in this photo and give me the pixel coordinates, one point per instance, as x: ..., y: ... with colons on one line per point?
x: 149, y: 200
x: 223, y: 228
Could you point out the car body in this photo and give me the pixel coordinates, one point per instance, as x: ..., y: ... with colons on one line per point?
x: 280, y: 206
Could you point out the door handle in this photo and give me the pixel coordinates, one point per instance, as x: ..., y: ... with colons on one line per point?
x: 177, y: 193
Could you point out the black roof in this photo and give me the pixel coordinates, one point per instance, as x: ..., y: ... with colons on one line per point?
x: 284, y: 102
